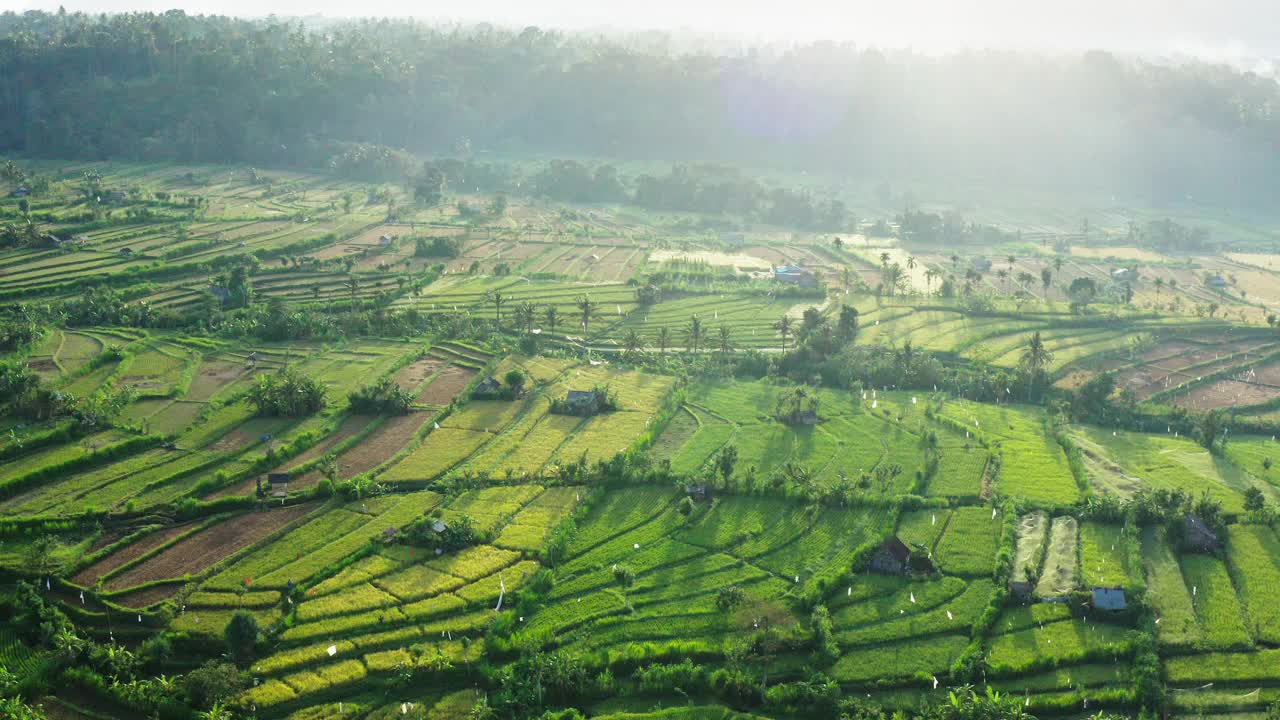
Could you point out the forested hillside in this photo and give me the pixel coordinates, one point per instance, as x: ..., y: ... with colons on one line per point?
x: 188, y: 88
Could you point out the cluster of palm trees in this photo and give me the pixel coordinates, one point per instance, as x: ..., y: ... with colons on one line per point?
x: 696, y: 335
x: 526, y: 314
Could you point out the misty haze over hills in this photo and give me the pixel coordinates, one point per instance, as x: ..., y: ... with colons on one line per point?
x: 173, y: 86
x: 1240, y: 32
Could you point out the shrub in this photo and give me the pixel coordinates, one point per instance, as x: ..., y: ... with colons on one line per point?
x: 436, y: 533
x: 436, y: 247
x: 287, y: 393
x: 624, y: 575
x: 241, y: 634
x: 382, y: 397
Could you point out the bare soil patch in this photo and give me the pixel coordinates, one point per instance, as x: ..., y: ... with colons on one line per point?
x: 89, y: 575
x: 214, y: 375
x: 246, y: 434
x: 349, y: 427
x: 44, y: 367
x: 147, y: 596
x: 201, y: 550
x: 375, y: 449
x: 446, y: 386
x: 411, y: 376
x: 1224, y: 394
x: 1268, y: 374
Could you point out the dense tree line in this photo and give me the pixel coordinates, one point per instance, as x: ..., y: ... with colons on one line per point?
x: 174, y: 86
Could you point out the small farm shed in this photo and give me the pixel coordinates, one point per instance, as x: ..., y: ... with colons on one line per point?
x: 793, y: 274
x: 698, y: 492
x: 439, y: 526
x: 20, y: 192
x: 893, y: 557
x: 582, y: 402
x: 1124, y: 274
x: 488, y: 387
x: 279, y: 483
x: 1217, y: 282
x: 1197, y: 536
x: 1021, y: 588
x: 1108, y: 598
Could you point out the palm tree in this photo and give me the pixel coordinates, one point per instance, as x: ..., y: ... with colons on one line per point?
x: 664, y: 339
x: 1011, y: 260
x: 694, y: 333
x: 892, y: 277
x: 352, y: 283
x: 929, y: 276
x: 1159, y: 284
x: 496, y: 299
x: 1025, y: 278
x: 631, y: 343
x: 1046, y: 279
x: 955, y: 262
x: 525, y: 314
x: 1034, y: 358
x: 726, y: 344
x: 783, y: 326
x: 1004, y: 275
x: 1057, y: 264
x: 587, y: 308
x: 551, y: 318
x: 911, y: 262
x: 884, y: 259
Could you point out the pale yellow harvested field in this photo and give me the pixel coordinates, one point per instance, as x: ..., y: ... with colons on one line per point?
x: 711, y: 257
x: 1266, y: 261
x: 1123, y: 253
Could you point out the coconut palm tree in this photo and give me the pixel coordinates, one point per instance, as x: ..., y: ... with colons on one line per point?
x: 664, y: 339
x: 726, y: 344
x: 1034, y: 359
x: 783, y: 326
x: 496, y: 299
x: 352, y: 283
x: 525, y: 313
x: 551, y: 318
x: 587, y: 308
x: 695, y: 333
x: 631, y: 343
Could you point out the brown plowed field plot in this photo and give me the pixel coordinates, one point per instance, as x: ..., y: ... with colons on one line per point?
x: 375, y: 449
x: 89, y: 575
x: 1268, y: 374
x: 147, y: 596
x: 248, y: 433
x: 214, y: 375
x: 446, y: 386
x: 201, y: 550
x: 349, y: 427
x: 771, y: 255
x: 1225, y: 393
x: 411, y: 376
